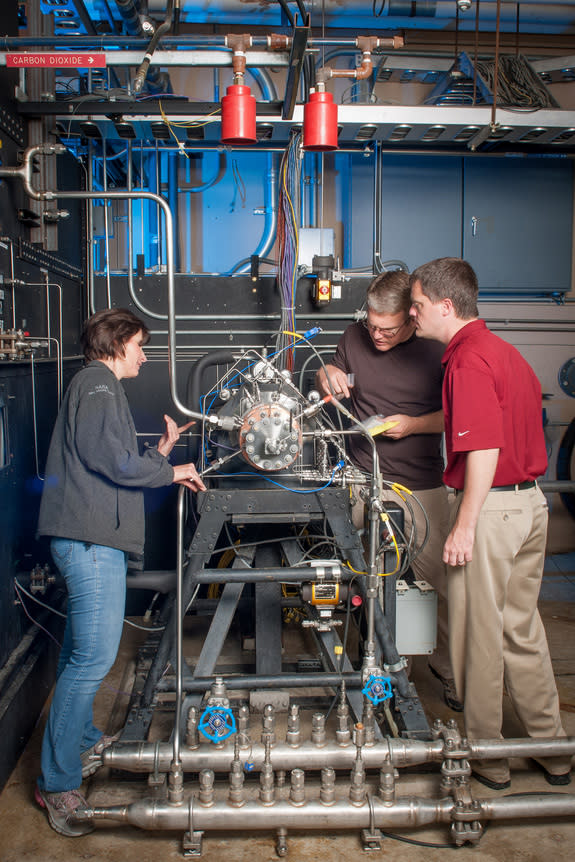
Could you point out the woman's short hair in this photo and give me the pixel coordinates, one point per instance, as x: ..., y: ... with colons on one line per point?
x: 107, y: 331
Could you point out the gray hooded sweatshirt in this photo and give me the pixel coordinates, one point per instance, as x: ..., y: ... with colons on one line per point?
x: 95, y: 473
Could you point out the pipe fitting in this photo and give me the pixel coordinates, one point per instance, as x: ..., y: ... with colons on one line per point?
x: 293, y: 735
x: 327, y: 789
x: 268, y: 725
x: 343, y: 732
x: 237, y: 778
x: 368, y: 721
x: 318, y: 735
x: 297, y: 788
x: 243, y: 735
x: 387, y: 784
x: 206, y: 794
x: 176, y: 784
x: 238, y: 43
x: 267, y: 788
x: 192, y: 736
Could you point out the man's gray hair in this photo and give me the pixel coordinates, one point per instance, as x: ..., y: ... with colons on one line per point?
x: 389, y: 293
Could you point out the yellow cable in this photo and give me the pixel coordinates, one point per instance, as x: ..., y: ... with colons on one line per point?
x: 293, y: 278
x: 349, y: 566
x: 385, y: 519
x: 397, y: 488
x: 180, y: 144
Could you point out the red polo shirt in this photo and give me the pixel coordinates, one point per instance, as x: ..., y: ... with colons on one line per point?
x: 491, y: 400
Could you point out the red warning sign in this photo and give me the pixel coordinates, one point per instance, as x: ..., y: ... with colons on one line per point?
x: 60, y: 60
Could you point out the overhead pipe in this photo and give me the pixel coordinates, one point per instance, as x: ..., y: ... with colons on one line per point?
x: 380, y: 265
x: 173, y: 170
x: 131, y: 289
x: 367, y: 45
x: 24, y: 173
x: 270, y: 225
x: 47, y: 284
x: 320, y: 128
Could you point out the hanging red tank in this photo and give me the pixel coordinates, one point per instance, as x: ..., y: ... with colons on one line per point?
x: 238, y: 115
x: 320, y: 122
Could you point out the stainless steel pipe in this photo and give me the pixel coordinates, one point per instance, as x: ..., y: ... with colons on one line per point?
x: 406, y: 812
x: 148, y: 756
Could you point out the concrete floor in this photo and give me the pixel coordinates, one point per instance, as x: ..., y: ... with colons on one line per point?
x: 25, y: 834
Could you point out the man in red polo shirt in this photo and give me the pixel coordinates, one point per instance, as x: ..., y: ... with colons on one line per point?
x: 495, y: 549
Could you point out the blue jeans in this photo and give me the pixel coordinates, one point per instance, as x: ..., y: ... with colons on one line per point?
x: 95, y: 577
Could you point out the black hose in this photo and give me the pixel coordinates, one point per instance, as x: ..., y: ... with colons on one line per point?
x: 145, y: 64
x: 387, y: 643
x: 194, y: 388
x: 287, y: 12
x: 564, y: 457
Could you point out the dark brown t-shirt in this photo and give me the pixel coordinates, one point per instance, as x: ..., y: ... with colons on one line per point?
x: 405, y: 379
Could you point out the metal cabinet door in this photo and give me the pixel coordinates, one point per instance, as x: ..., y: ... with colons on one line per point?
x: 517, y: 223
x: 421, y: 208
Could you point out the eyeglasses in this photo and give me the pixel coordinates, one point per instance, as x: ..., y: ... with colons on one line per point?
x: 387, y: 333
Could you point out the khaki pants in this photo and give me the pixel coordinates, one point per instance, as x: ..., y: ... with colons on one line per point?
x: 428, y: 566
x: 496, y: 633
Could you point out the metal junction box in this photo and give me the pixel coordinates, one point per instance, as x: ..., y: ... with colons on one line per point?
x: 416, y: 618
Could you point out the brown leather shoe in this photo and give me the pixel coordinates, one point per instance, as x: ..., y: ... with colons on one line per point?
x: 552, y: 778
x: 489, y: 782
x: 449, y: 692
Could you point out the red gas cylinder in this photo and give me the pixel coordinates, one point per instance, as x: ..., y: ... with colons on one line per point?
x: 238, y: 115
x: 320, y: 122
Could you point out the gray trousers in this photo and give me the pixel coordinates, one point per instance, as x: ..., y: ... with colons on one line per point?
x: 496, y: 634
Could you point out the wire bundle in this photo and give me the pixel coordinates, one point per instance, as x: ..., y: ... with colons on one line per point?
x: 518, y: 87
x: 288, y: 243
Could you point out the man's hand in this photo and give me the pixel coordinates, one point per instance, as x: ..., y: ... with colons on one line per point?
x: 458, y: 548
x: 171, y: 435
x: 428, y: 423
x: 337, y: 384
x: 405, y: 425
x: 186, y: 474
x: 480, y: 469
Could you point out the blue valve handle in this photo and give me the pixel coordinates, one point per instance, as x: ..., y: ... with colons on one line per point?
x: 217, y: 723
x: 378, y: 689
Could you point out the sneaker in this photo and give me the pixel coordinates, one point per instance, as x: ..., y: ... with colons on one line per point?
x: 92, y: 757
x: 489, y: 782
x: 61, y: 809
x: 449, y: 691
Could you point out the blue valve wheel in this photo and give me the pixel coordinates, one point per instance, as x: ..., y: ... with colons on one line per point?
x: 217, y: 723
x: 378, y: 689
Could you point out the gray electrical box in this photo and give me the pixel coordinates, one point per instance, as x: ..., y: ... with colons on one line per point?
x: 314, y: 241
x: 416, y: 618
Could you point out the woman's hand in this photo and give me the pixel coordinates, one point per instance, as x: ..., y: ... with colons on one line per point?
x: 171, y: 435
x: 186, y: 474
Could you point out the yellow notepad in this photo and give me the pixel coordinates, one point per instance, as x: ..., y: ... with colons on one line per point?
x: 381, y: 427
x: 378, y: 425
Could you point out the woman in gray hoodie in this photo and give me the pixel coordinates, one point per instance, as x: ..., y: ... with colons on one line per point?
x: 93, y: 509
